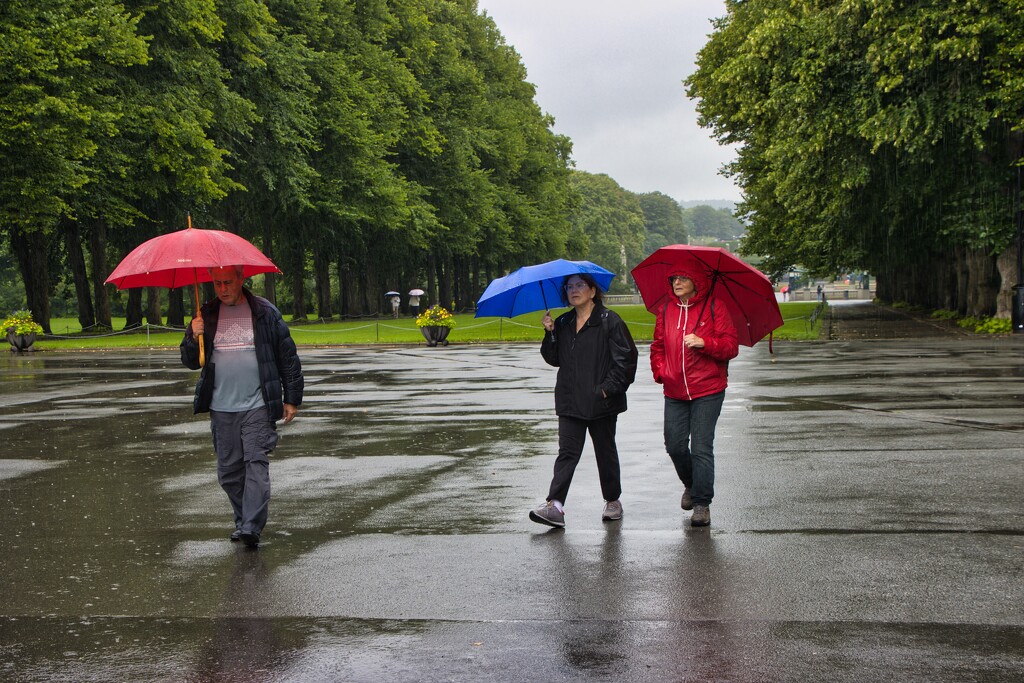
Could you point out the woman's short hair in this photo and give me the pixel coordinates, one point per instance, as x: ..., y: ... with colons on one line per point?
x: 587, y: 278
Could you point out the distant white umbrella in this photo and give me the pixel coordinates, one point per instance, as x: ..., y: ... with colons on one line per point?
x: 416, y: 292
x: 392, y: 293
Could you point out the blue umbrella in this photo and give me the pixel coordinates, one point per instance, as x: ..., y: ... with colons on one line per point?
x: 535, y: 288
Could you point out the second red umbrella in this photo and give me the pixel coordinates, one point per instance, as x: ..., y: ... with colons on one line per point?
x: 745, y: 290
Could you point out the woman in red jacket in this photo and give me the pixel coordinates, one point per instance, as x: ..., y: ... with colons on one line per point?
x: 694, y: 339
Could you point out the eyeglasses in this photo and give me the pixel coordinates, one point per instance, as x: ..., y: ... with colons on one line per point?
x: 576, y: 286
x: 677, y: 278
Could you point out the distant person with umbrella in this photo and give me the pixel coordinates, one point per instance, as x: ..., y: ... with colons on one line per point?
x: 694, y: 339
x: 414, y: 301
x: 596, y: 360
x: 394, y: 298
x: 258, y: 381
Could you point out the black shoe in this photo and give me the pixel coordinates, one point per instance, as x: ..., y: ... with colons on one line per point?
x: 251, y: 539
x: 236, y: 536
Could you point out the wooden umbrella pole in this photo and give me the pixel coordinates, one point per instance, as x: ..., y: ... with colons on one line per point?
x: 202, y: 354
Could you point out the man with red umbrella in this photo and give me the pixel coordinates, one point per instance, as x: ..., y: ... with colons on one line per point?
x: 252, y: 378
x: 694, y: 339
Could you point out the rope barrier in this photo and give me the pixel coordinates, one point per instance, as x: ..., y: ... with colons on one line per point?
x: 333, y: 331
x: 403, y: 329
x: 144, y: 327
x: 473, y: 327
x: 513, y: 322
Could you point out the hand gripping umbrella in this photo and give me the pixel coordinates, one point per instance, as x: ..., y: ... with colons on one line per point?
x: 184, y: 258
x: 746, y: 291
x: 535, y: 288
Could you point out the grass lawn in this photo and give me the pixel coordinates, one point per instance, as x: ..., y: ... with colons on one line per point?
x: 67, y: 333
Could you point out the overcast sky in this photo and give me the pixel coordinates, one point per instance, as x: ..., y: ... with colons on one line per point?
x: 611, y: 74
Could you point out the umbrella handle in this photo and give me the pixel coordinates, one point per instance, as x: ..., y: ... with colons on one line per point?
x: 202, y: 354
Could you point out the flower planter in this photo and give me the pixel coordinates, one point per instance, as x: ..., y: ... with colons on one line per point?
x: 21, y: 342
x: 436, y: 334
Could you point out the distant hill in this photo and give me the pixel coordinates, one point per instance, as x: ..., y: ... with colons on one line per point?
x: 714, y: 203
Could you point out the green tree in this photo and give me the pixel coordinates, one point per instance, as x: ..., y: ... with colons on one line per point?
x: 708, y: 221
x: 871, y: 135
x: 664, y: 221
x: 266, y: 52
x: 611, y: 219
x: 58, y: 106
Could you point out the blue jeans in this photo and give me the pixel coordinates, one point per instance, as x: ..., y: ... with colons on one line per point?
x: 690, y: 442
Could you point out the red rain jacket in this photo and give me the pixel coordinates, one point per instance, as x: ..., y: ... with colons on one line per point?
x: 691, y: 373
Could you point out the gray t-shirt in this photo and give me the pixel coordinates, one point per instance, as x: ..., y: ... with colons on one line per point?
x: 236, y: 385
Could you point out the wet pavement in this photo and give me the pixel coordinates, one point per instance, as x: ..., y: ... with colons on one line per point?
x: 868, y: 524
x: 848, y: 320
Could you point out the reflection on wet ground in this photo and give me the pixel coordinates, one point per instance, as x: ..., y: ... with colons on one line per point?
x: 859, y: 485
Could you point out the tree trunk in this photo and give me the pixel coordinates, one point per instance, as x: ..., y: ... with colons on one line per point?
x: 369, y: 304
x: 30, y: 250
x: 474, y: 284
x: 465, y: 292
x: 444, y: 284
x: 269, y: 279
x: 133, y: 309
x: 153, y: 313
x: 1006, y: 264
x: 76, y: 261
x: 343, y: 285
x: 98, y: 252
x: 431, y: 283
x: 456, y: 278
x: 230, y: 215
x: 176, y: 307
x: 322, y: 277
x: 983, y: 287
x: 298, y: 296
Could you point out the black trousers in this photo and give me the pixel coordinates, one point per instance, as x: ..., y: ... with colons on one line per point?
x: 572, y: 433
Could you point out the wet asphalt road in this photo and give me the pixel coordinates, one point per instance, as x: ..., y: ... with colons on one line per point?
x: 868, y: 524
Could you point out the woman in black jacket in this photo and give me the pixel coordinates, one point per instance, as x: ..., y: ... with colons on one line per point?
x: 596, y: 360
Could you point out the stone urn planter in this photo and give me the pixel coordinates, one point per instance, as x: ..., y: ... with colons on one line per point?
x: 21, y: 342
x: 436, y: 334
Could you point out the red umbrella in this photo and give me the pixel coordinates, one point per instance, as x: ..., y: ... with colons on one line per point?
x: 184, y: 258
x: 746, y: 291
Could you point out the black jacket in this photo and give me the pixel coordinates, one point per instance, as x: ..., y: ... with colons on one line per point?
x: 600, y: 358
x: 279, y: 367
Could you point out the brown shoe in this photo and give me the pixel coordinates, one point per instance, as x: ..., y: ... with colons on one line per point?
x: 686, y: 502
x: 701, y: 516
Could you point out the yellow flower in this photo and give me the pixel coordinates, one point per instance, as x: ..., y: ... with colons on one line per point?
x: 20, y: 322
x: 435, y: 316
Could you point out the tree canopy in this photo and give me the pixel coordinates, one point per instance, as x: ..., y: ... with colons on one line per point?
x: 364, y: 145
x: 874, y: 134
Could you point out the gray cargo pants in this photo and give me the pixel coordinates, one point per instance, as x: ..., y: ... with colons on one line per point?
x: 243, y: 442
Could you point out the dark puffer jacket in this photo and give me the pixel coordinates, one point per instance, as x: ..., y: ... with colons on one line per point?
x: 601, y: 357
x: 280, y: 370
